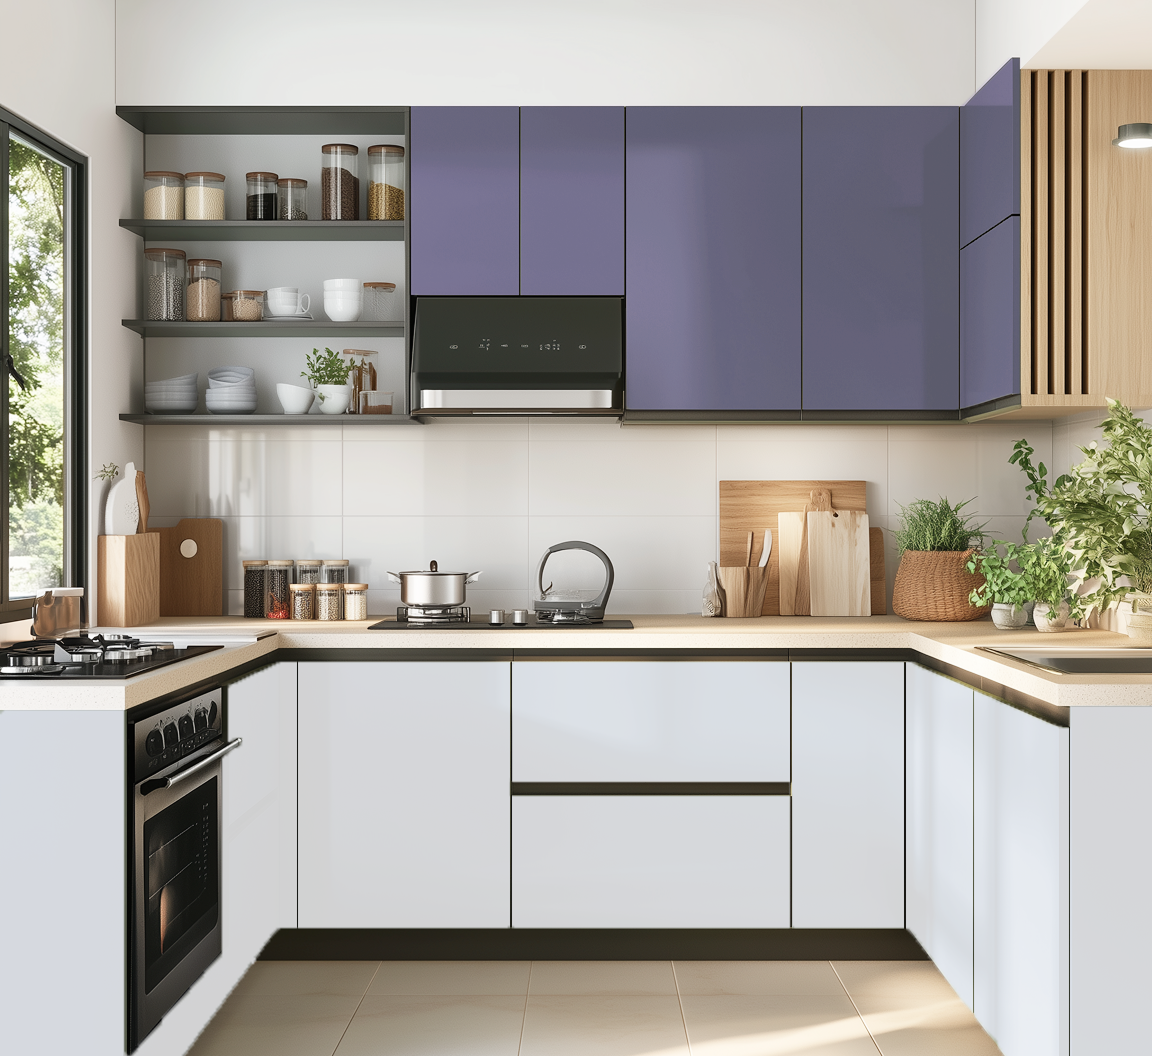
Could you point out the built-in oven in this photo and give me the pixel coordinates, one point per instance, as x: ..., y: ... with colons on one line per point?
x: 175, y: 781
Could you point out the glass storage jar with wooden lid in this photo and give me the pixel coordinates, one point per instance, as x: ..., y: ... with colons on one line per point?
x: 303, y: 598
x: 293, y: 199
x: 279, y: 580
x: 339, y: 181
x: 328, y: 601
x: 362, y: 377
x: 262, y: 201
x: 355, y: 601
x: 381, y: 303
x: 203, y: 196
x: 163, y: 195
x: 164, y: 283
x: 255, y: 598
x: 203, y: 293
x: 242, y: 306
x: 385, y: 182
x: 308, y: 570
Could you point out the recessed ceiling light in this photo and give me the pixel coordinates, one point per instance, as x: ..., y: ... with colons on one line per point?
x: 1137, y: 136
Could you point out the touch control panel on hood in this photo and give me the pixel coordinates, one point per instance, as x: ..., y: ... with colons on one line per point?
x: 518, y: 355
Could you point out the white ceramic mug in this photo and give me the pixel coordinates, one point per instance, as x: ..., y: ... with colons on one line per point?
x: 342, y: 307
x: 286, y: 301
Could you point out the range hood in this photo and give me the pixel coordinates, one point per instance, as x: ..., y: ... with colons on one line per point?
x: 518, y: 356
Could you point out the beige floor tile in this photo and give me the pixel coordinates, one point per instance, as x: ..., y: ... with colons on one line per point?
x: 767, y: 1025
x: 290, y: 978
x: 924, y: 1025
x: 433, y: 978
x: 920, y: 979
x: 757, y: 977
x: 603, y: 1026
x: 603, y: 977
x: 435, y: 1026
x: 298, y: 1025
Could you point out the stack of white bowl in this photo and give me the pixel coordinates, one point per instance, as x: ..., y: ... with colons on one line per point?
x: 231, y: 390
x: 172, y: 396
x: 343, y: 299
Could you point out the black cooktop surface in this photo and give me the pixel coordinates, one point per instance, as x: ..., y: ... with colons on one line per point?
x: 96, y: 657
x: 478, y: 624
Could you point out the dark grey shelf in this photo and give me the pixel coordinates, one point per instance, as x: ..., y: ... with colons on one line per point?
x: 272, y: 328
x: 271, y: 419
x: 268, y: 230
x: 266, y: 120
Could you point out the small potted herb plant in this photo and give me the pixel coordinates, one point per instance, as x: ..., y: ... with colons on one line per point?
x: 328, y: 374
x: 936, y: 542
x: 1007, y: 589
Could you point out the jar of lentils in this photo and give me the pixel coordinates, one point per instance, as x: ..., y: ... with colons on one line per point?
x: 279, y: 580
x: 308, y: 570
x: 255, y: 574
x: 203, y: 196
x: 303, y: 597
x: 355, y: 601
x: 163, y: 196
x: 328, y: 601
x: 293, y: 199
x: 339, y: 181
x: 165, y: 283
x: 203, y: 293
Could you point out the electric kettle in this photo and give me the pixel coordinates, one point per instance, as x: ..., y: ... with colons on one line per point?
x: 555, y: 605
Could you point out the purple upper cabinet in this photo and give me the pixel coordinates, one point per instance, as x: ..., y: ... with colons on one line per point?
x: 990, y: 316
x: 881, y: 282
x: 713, y: 273
x: 572, y: 200
x: 990, y: 154
x: 465, y: 210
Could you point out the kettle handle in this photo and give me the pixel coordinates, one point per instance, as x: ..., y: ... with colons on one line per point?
x: 601, y: 599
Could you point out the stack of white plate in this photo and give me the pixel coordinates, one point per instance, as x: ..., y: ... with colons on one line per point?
x: 231, y: 390
x: 172, y: 396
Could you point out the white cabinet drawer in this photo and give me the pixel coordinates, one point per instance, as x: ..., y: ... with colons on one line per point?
x: 650, y: 861
x: 650, y: 721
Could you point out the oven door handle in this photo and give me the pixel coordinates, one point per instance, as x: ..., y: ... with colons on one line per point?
x: 167, y: 782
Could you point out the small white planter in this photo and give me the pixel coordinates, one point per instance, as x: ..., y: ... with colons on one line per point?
x: 1009, y: 617
x: 334, y: 399
x: 1140, y: 628
x: 1049, y: 620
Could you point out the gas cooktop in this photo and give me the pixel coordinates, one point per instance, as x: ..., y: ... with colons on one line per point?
x: 460, y: 618
x: 99, y: 656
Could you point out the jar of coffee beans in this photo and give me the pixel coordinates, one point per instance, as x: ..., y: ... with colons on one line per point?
x: 203, y: 196
x: 385, y: 182
x: 255, y: 575
x: 203, y: 293
x: 164, y: 283
x: 263, y: 197
x: 163, y: 196
x: 293, y: 199
x: 339, y: 181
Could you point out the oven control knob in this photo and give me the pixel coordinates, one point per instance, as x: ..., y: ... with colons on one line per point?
x: 212, y: 712
x: 154, y: 744
x: 171, y: 736
x: 186, y: 727
x: 201, y: 719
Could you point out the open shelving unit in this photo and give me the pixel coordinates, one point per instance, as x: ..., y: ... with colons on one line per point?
x: 269, y: 230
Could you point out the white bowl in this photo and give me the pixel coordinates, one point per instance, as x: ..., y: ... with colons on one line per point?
x: 350, y: 285
x: 295, y: 399
x: 231, y: 373
x: 343, y: 309
x: 187, y: 379
x: 187, y: 406
x: 243, y: 385
x: 336, y: 398
x: 229, y: 406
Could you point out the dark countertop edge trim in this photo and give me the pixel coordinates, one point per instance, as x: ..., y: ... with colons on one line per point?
x: 651, y: 788
x: 1054, y: 714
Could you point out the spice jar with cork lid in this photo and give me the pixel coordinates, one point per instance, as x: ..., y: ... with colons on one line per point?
x: 339, y: 181
x: 263, y: 198
x: 163, y: 196
x: 203, y: 196
x: 386, y: 182
x: 293, y: 199
x: 303, y: 598
x: 164, y: 283
x: 203, y: 294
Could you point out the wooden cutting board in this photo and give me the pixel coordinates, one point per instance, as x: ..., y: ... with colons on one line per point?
x: 191, y: 586
x: 839, y: 563
x: 753, y: 505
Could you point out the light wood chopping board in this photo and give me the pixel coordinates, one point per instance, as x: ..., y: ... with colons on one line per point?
x: 191, y: 586
x: 838, y: 562
x: 753, y: 505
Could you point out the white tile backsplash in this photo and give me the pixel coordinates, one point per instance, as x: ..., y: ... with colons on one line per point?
x: 495, y: 494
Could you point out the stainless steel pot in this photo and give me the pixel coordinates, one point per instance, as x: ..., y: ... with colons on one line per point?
x: 433, y: 588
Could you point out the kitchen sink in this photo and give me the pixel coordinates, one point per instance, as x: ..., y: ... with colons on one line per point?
x: 1132, y: 661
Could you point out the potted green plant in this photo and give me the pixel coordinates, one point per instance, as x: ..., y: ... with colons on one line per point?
x: 1047, y: 565
x: 1007, y: 589
x: 328, y: 374
x: 936, y: 541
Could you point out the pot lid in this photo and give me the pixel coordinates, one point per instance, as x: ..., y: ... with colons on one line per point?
x: 433, y: 569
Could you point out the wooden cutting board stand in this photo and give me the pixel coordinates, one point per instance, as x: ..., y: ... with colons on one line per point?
x: 191, y: 586
x: 753, y: 505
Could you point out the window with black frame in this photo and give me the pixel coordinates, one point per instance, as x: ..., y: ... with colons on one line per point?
x: 42, y: 346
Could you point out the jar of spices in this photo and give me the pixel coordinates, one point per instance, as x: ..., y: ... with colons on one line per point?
x: 381, y: 303
x: 163, y: 196
x: 203, y: 294
x: 339, y: 181
x: 362, y: 376
x: 279, y: 580
x: 203, y: 196
x: 328, y: 601
x: 255, y: 574
x: 164, y: 283
x: 308, y: 570
x: 242, y: 306
x: 385, y: 182
x: 293, y: 199
x: 335, y: 571
x: 303, y: 596
x: 262, y: 201
x: 355, y: 601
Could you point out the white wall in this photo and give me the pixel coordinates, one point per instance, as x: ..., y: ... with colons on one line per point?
x: 1102, y: 35
x: 1008, y: 29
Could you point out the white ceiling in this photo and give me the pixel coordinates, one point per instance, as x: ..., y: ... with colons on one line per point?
x: 1102, y: 35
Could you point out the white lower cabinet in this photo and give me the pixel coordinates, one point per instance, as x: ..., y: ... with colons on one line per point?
x: 650, y: 861
x: 848, y: 794
x: 404, y: 794
x: 939, y: 822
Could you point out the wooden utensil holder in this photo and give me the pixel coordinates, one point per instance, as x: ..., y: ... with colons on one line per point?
x: 742, y: 590
x: 128, y: 579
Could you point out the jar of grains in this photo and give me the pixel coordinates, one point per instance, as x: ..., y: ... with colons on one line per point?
x: 203, y: 293
x: 242, y: 306
x: 355, y: 601
x: 279, y: 580
x: 335, y: 571
x: 303, y: 597
x: 263, y: 198
x: 163, y: 196
x: 385, y: 182
x: 308, y: 570
x: 203, y: 196
x: 381, y: 303
x: 339, y: 182
x: 164, y: 283
x: 293, y: 199
x: 328, y: 601
x: 255, y: 573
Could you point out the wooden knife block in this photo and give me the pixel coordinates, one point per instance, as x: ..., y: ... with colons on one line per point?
x: 127, y: 580
x: 743, y: 589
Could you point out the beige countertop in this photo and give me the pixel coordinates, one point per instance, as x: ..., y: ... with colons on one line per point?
x: 953, y: 644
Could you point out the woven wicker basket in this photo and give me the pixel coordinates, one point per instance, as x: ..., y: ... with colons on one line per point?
x: 934, y: 585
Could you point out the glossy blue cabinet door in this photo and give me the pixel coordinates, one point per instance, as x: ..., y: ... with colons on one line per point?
x: 464, y: 200
x: 990, y: 154
x: 572, y: 201
x: 990, y: 315
x: 881, y: 313
x: 713, y: 271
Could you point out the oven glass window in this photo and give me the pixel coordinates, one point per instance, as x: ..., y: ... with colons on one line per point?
x: 181, y: 880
